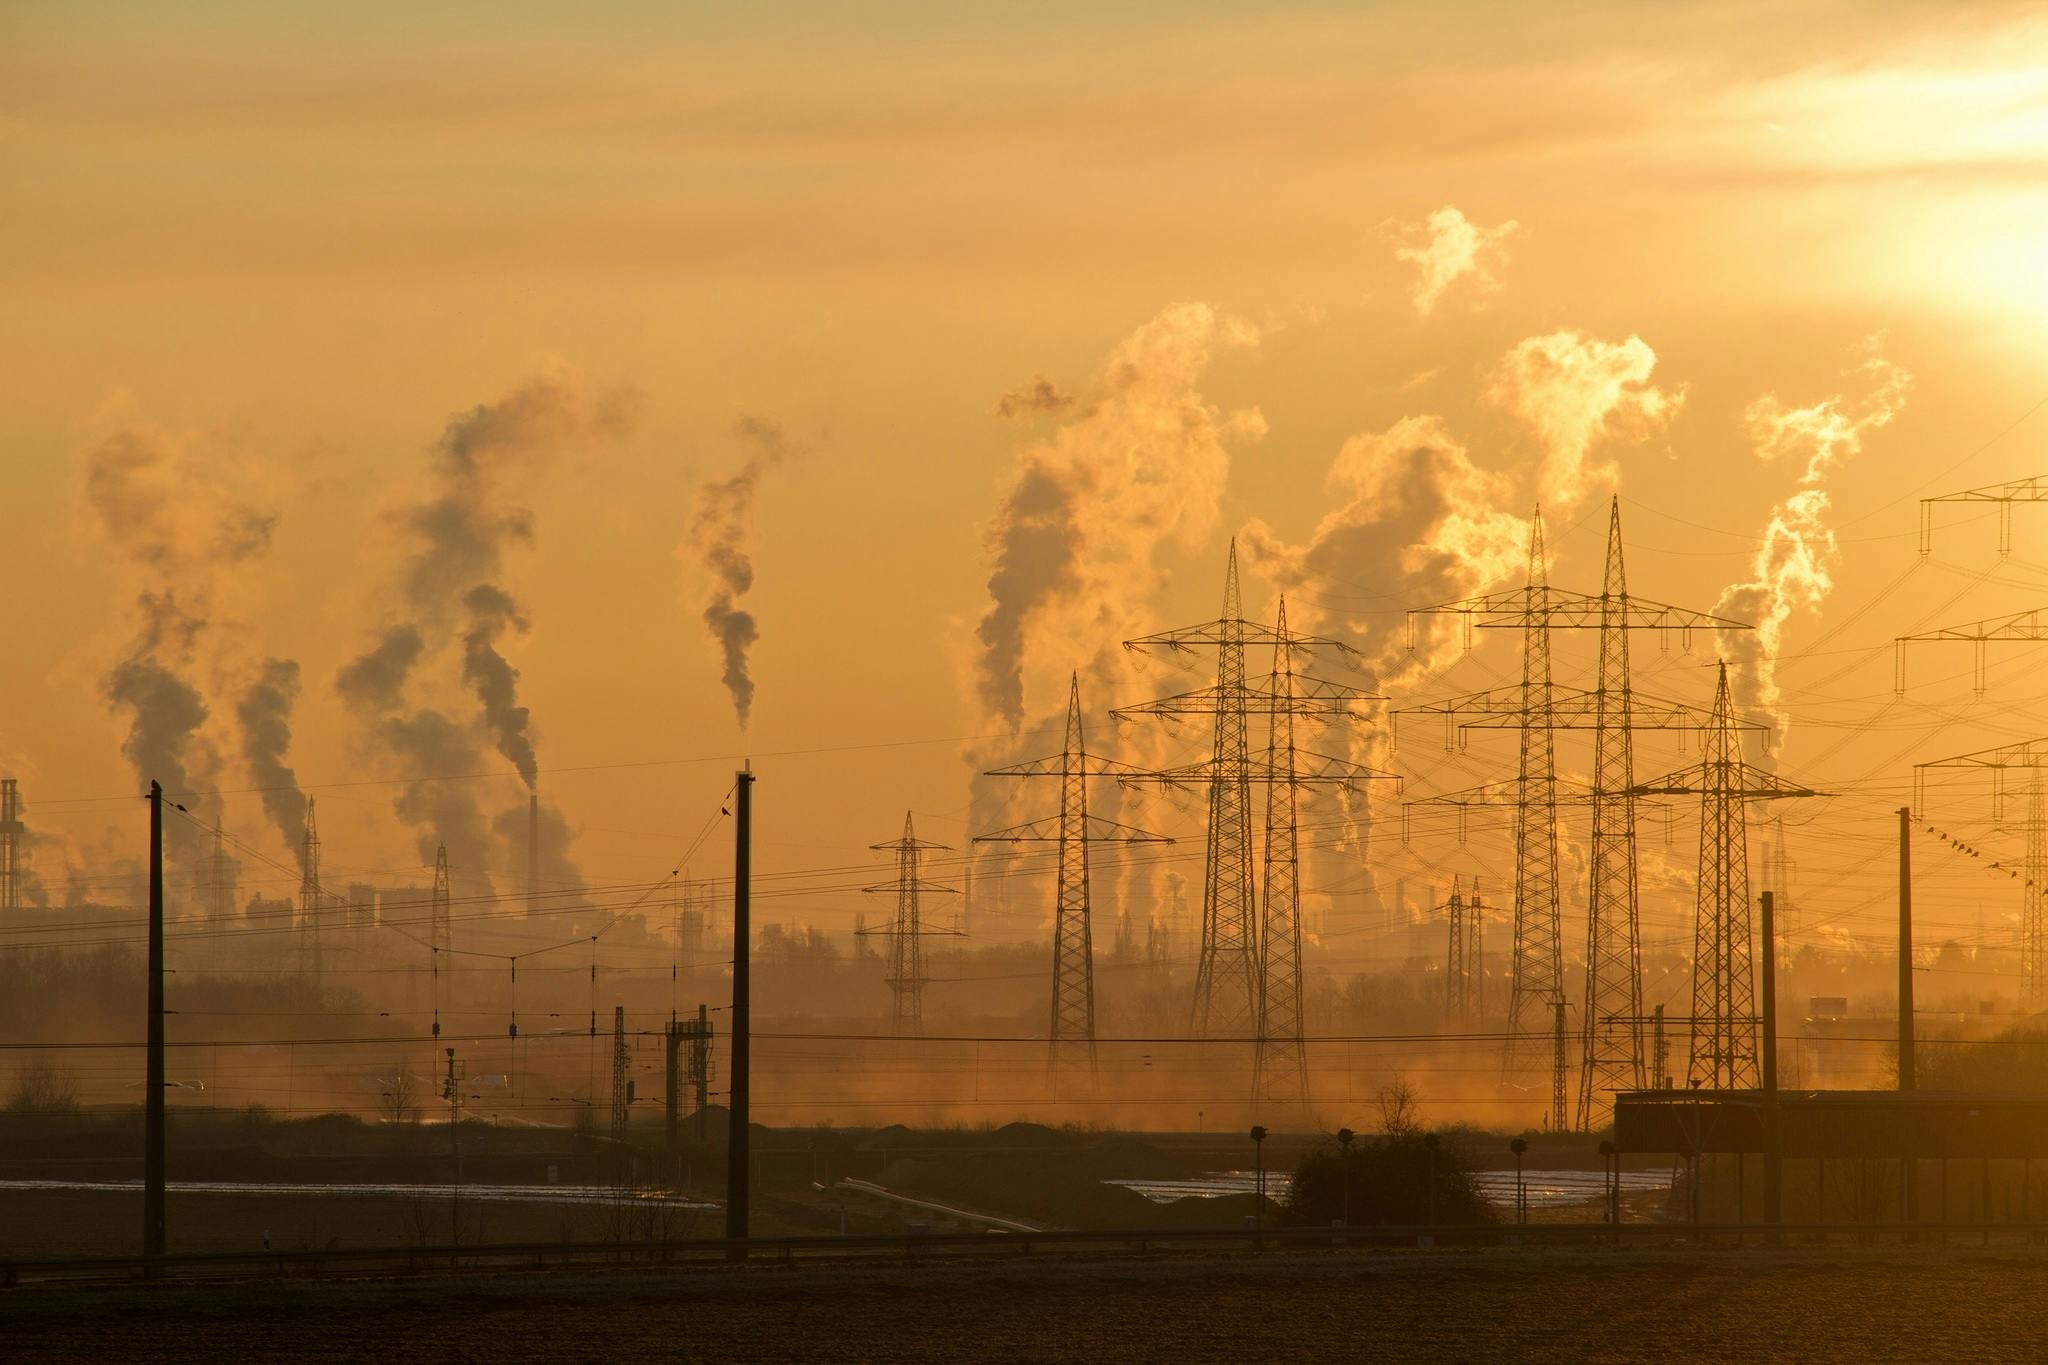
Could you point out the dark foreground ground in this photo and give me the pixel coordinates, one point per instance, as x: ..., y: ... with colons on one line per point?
x: 1860, y: 1305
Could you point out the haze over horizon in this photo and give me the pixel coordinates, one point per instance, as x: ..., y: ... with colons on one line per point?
x: 864, y: 380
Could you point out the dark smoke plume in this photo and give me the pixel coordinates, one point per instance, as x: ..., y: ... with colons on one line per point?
x: 166, y: 516
x: 265, y: 715
x: 495, y: 681
x: 719, y: 531
x: 375, y: 680
x: 459, y: 533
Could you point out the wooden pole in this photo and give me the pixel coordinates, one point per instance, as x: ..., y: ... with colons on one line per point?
x: 1774, y: 1151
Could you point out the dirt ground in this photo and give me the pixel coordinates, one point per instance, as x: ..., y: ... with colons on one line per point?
x: 1810, y: 1306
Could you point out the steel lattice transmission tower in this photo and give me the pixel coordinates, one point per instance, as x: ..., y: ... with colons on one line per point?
x: 1227, y: 973
x: 1464, y: 956
x: 906, y: 979
x: 1072, y: 831
x: 309, y: 892
x: 1611, y: 1055
x: 2029, y: 757
x: 622, y: 1091
x: 1724, y: 1014
x: 1284, y: 698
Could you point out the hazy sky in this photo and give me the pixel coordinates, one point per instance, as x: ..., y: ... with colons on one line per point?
x: 257, y: 259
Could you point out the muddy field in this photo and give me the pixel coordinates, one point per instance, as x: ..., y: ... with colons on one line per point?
x: 1806, y: 1306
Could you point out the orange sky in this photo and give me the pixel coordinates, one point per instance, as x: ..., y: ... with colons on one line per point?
x: 289, y: 247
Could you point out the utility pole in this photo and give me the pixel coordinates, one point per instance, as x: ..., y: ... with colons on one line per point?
x: 1905, y: 948
x: 153, y: 1081
x: 1774, y: 1150
x: 736, y: 1171
x: 1909, y: 1183
x: 451, y: 1091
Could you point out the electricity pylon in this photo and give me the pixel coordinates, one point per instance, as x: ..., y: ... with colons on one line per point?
x: 1724, y: 1018
x: 906, y: 932
x: 1073, y: 830
x: 1464, y: 962
x: 1262, y: 968
x: 1226, y: 973
x: 2033, y: 489
x: 1612, y: 1041
x: 622, y: 1092
x: 309, y: 892
x: 2031, y: 757
x: 2025, y: 626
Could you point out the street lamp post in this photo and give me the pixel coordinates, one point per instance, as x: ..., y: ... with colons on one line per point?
x: 1519, y: 1146
x: 1611, y: 1171
x: 1344, y: 1136
x: 1429, y: 1143
x: 1259, y: 1163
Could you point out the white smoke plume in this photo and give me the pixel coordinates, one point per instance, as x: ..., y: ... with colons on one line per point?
x: 1414, y: 517
x: 1139, y: 465
x: 721, y: 530
x: 1446, y: 248
x: 1793, y: 569
x: 169, y: 517
x: 1136, y: 463
x: 1572, y: 391
x: 459, y: 532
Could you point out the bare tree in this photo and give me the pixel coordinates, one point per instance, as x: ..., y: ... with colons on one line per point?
x: 400, y: 1102
x: 1400, y: 1108
x: 41, y: 1088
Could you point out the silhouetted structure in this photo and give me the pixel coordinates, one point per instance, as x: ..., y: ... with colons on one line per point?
x: 1072, y: 830
x: 906, y: 931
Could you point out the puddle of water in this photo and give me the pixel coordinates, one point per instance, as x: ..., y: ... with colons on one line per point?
x: 1545, y: 1189
x: 509, y: 1194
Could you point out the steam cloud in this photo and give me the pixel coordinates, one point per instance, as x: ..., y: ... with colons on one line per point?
x: 1448, y: 247
x: 165, y: 515
x: 1793, y: 567
x: 460, y: 532
x: 264, y: 712
x: 1413, y: 509
x: 1572, y: 390
x: 1074, y: 544
x: 720, y: 529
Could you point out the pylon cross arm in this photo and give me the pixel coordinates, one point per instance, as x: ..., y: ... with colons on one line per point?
x: 1750, y: 784
x: 1055, y: 765
x: 1047, y: 831
x: 2025, y: 625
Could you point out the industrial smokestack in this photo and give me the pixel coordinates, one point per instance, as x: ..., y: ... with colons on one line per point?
x: 533, y: 853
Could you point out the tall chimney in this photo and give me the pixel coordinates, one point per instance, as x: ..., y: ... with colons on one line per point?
x: 533, y: 853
